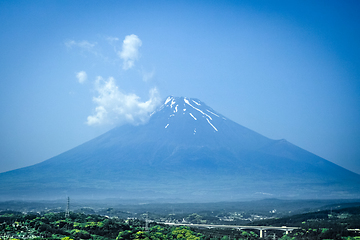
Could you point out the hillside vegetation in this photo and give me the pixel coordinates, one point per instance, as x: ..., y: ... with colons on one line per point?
x: 80, y: 226
x: 329, y: 224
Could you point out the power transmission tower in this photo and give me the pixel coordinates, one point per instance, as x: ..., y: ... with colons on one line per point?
x: 147, y: 222
x: 67, y: 213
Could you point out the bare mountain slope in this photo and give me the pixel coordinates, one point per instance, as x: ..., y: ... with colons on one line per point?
x: 189, y: 152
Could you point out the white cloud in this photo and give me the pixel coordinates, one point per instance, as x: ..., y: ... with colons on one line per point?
x: 116, y: 107
x: 130, y: 51
x: 81, y: 76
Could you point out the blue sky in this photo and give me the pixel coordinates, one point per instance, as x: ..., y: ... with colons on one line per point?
x: 286, y: 69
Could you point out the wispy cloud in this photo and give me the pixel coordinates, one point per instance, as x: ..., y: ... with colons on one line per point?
x: 112, y: 39
x: 81, y: 76
x: 130, y: 51
x: 83, y: 45
x: 116, y: 107
x: 146, y: 76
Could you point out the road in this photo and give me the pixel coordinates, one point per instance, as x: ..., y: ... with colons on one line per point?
x: 286, y: 229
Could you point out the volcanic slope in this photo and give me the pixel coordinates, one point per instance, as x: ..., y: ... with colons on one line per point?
x: 186, y: 152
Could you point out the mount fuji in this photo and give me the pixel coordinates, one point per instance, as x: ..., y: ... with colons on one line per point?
x: 185, y: 152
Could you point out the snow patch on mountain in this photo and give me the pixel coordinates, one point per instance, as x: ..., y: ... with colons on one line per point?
x: 193, y: 116
x: 196, y: 103
x: 188, y: 103
x: 172, y: 103
x: 211, y: 125
x: 212, y: 112
x: 168, y: 100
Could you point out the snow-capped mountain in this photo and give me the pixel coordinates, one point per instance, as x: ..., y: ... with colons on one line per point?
x: 192, y: 108
x: 187, y: 151
x: 190, y: 121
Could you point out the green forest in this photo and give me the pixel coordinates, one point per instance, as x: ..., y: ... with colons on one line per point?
x: 55, y: 225
x: 77, y: 226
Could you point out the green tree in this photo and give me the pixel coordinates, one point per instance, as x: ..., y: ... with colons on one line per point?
x: 124, y: 235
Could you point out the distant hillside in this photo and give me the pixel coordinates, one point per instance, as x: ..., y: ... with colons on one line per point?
x: 344, y: 216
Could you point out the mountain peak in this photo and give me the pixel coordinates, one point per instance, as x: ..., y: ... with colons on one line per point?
x: 174, y: 100
x: 191, y: 110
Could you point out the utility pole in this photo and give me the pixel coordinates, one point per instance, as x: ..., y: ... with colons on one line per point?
x: 67, y: 213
